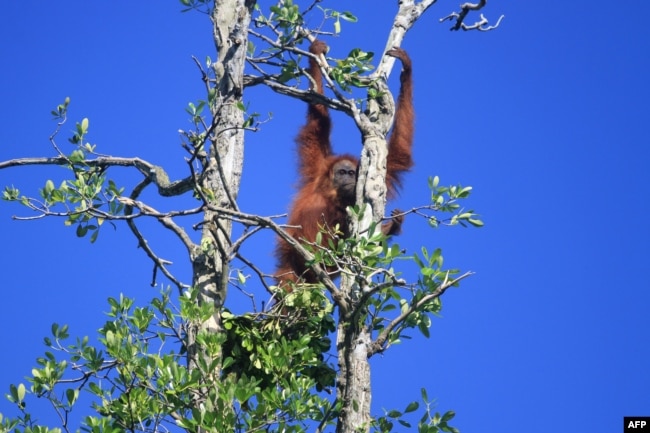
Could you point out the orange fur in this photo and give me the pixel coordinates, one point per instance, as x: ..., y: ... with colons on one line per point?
x: 318, y: 202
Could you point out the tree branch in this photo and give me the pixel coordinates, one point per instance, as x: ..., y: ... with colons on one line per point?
x: 156, y: 173
x: 166, y: 221
x: 271, y: 81
x: 465, y: 9
x: 320, y: 271
x: 409, y: 12
x: 379, y: 344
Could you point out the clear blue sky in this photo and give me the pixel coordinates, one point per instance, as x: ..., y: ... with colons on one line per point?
x: 546, y: 118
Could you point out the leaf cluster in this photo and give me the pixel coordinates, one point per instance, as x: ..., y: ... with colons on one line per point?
x: 293, y: 339
x: 445, y: 199
x: 136, y: 381
x: 349, y: 72
x: 430, y: 422
x: 86, y: 198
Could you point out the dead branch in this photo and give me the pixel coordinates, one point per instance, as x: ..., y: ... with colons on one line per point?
x: 480, y: 25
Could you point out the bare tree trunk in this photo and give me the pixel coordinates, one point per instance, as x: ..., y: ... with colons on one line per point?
x: 353, y: 383
x: 223, y: 167
x: 354, y: 338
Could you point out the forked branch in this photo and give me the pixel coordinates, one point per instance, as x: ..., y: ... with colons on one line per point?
x: 480, y: 25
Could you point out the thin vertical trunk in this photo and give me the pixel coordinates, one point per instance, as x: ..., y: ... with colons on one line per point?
x: 353, y: 384
x: 354, y: 338
x: 222, y: 172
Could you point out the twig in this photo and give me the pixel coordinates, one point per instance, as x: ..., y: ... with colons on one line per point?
x: 479, y: 25
x: 379, y: 345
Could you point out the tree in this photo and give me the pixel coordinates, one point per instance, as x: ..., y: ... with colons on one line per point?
x: 266, y: 370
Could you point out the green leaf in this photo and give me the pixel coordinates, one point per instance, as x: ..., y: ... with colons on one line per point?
x: 241, y: 277
x: 77, y: 156
x: 71, y: 395
x: 81, y: 231
x: 413, y: 406
x: 424, y: 329
x: 348, y: 16
x: 448, y: 416
x: 404, y: 423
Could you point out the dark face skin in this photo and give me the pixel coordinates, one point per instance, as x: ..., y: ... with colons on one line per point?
x: 344, y: 179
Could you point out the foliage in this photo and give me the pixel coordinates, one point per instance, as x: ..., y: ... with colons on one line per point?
x: 430, y: 422
x: 87, y: 198
x: 292, y: 339
x: 274, y: 366
x: 137, y: 380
